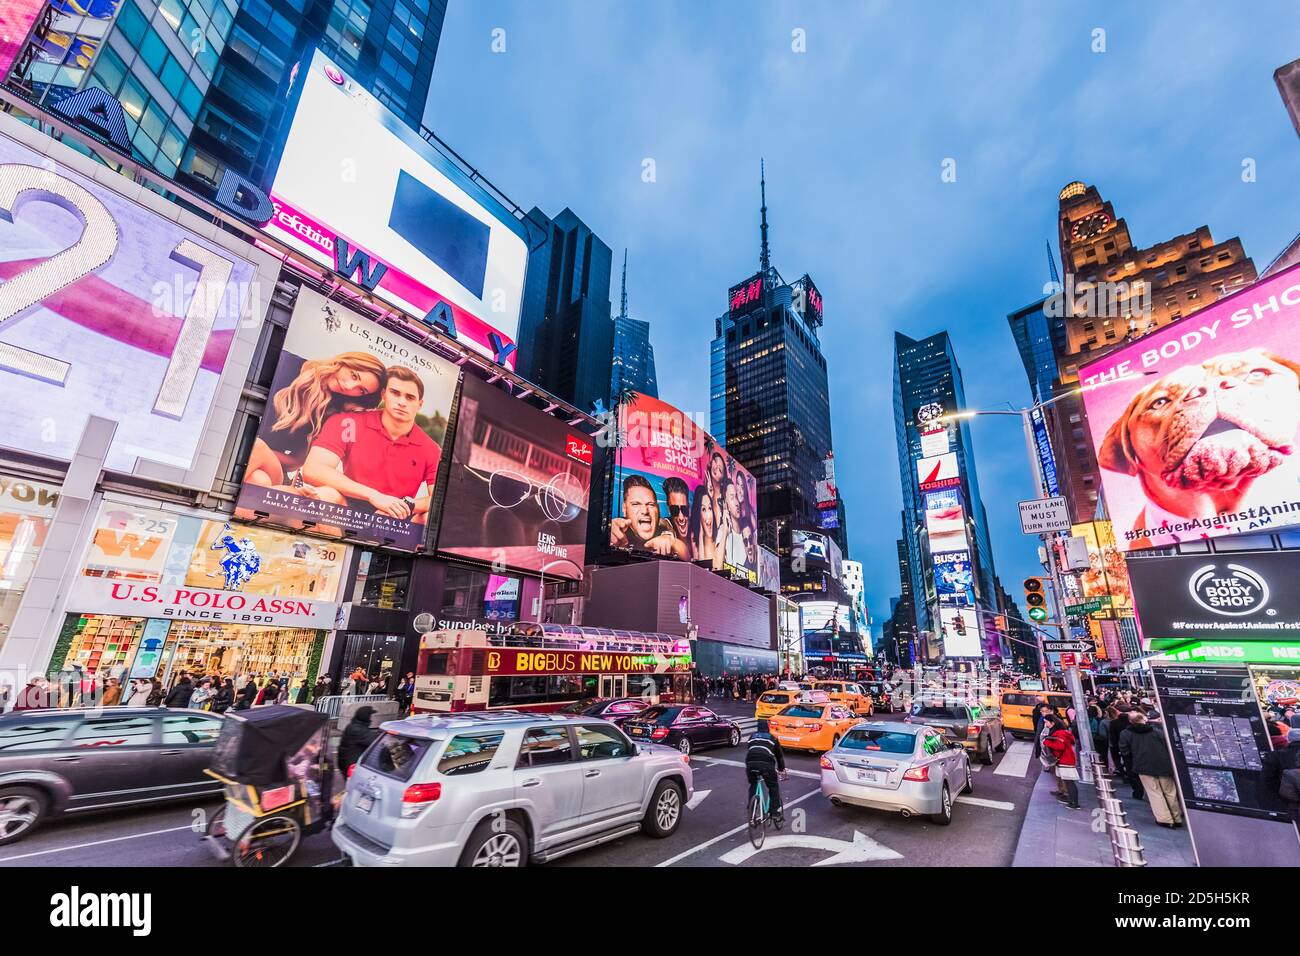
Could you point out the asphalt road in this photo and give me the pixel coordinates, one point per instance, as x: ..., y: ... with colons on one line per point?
x: 983, y: 832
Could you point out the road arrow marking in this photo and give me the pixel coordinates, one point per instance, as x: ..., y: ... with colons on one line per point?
x: 696, y: 800
x: 1016, y: 760
x: 863, y: 849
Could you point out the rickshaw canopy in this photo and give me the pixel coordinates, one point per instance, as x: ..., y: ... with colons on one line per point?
x: 256, y: 745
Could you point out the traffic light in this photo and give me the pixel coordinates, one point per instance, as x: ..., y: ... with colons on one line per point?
x: 1035, y: 599
x: 959, y: 625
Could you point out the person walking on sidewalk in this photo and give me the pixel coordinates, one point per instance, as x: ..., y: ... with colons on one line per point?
x: 1060, y: 742
x: 1146, y: 755
x: 1282, y: 771
x: 357, y: 736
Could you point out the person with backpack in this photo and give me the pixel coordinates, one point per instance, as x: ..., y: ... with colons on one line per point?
x: 1146, y: 756
x: 1282, y: 771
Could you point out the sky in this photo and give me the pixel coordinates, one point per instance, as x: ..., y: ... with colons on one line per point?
x: 1167, y: 110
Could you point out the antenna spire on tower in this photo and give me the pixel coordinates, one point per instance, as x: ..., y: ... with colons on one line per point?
x: 1051, y: 263
x: 622, y: 307
x: 764, y: 260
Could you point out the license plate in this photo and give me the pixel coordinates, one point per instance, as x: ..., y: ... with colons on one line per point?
x: 365, y: 802
x: 638, y: 731
x: 869, y: 776
x: 784, y: 737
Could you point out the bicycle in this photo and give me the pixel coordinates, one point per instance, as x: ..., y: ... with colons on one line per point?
x: 760, y: 813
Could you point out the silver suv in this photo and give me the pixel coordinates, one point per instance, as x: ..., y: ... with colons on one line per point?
x: 504, y: 789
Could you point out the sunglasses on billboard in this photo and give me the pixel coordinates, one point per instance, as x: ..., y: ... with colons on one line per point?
x: 675, y: 510
x: 557, y: 498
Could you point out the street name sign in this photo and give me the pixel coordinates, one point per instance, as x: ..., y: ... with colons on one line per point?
x: 1090, y: 605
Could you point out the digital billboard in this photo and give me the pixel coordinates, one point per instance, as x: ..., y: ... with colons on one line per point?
x: 954, y: 577
x: 961, y: 632
x: 438, y: 244
x: 945, y: 521
x: 812, y: 546
x: 1197, y: 426
x: 769, y: 570
x: 108, y: 308
x: 1107, y: 571
x: 678, y: 494
x: 16, y: 19
x: 518, y: 487
x: 352, y: 436
x: 941, y: 471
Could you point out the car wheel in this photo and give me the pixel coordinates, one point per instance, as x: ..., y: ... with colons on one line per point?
x: 684, y: 745
x: 735, y: 737
x: 986, y: 755
x: 944, y: 816
x: 21, y: 811
x: 970, y: 781
x: 1002, y: 742
x: 496, y: 842
x: 665, y: 811
x: 835, y: 741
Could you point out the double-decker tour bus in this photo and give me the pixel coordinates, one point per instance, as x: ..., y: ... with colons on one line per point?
x: 547, y: 666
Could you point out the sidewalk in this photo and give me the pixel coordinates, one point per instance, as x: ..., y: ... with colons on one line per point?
x: 1055, y: 836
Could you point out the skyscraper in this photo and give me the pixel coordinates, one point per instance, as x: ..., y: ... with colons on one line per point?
x: 770, y: 401
x: 205, y: 83
x: 944, y: 523
x: 1115, y: 292
x: 634, y: 356
x: 566, y: 334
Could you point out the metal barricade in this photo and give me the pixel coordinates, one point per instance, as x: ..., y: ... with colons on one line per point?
x: 333, y: 703
x: 1125, y: 845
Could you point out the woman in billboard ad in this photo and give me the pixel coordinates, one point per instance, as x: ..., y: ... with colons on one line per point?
x: 351, y: 440
x: 1196, y: 425
x: 518, y: 487
x: 678, y: 494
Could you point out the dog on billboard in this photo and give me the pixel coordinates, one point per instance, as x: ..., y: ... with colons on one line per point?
x: 1200, y: 438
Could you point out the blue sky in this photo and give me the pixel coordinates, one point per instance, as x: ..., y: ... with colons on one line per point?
x: 854, y: 132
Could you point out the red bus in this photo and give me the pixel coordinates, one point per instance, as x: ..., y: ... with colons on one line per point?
x: 546, y: 666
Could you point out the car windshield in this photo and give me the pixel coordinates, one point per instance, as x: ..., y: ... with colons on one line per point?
x: 797, y: 710
x: 659, y: 714
x: 939, y: 711
x: 879, y: 741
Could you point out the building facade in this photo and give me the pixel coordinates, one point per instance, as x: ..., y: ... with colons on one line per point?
x: 566, y: 334
x: 634, y: 356
x: 205, y: 83
x: 1115, y: 292
x: 770, y: 405
x: 943, y: 513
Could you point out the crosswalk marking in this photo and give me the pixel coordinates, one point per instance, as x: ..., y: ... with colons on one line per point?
x: 1016, y: 760
x: 991, y: 804
x: 741, y: 764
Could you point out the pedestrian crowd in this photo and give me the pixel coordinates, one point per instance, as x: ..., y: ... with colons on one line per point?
x: 196, y: 691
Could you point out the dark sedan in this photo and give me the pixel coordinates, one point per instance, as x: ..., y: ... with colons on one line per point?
x: 616, y: 710
x: 684, y: 726
x: 55, y: 762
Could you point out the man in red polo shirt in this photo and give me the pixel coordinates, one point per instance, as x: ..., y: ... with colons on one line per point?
x: 378, y: 457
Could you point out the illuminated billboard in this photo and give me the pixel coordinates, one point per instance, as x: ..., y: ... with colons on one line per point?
x: 769, y: 570
x: 941, y: 471
x: 354, y: 180
x: 961, y: 632
x: 16, y: 19
x: 678, y: 494
x: 1107, y: 572
x: 945, y: 521
x: 518, y: 487
x: 1197, y: 426
x: 352, y: 436
x: 954, y: 577
x: 112, y: 309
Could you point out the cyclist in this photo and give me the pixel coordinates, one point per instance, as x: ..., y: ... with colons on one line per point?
x: 764, y: 758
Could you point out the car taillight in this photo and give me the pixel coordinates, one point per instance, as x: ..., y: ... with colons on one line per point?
x: 826, y: 763
x: 973, y: 730
x: 813, y: 728
x: 686, y: 758
x: 659, y: 733
x: 351, y: 771
x: 418, y: 795
x: 919, y: 774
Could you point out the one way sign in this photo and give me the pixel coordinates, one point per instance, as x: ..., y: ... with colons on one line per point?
x: 1075, y: 647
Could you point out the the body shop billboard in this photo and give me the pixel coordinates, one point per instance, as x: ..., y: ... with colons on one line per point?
x: 1196, y: 425
x: 354, y: 180
x: 678, y: 494
x: 352, y: 437
x: 518, y: 487
x: 112, y: 309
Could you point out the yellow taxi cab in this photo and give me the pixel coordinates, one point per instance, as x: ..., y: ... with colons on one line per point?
x: 809, y: 726
x: 771, y: 702
x: 1018, y: 707
x: 849, y: 693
